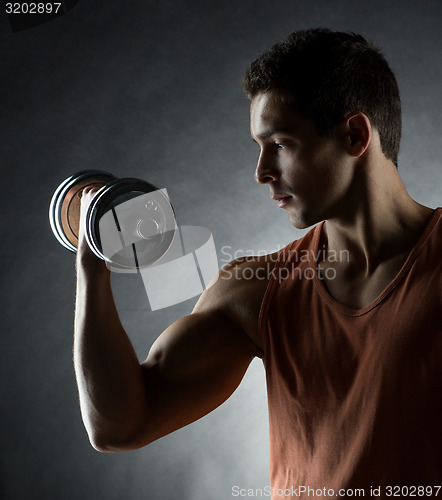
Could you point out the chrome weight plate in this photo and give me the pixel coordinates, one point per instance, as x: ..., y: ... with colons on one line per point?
x: 64, y: 209
x: 130, y: 223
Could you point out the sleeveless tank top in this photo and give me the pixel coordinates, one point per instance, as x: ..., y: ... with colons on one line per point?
x: 355, y: 396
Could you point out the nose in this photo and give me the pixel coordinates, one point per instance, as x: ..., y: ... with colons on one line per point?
x: 265, y: 171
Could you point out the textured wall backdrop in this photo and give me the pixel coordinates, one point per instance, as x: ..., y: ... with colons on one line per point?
x: 151, y: 89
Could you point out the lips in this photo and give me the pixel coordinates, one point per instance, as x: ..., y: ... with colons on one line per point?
x: 281, y: 199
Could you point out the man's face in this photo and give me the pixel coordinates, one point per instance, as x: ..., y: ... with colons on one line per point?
x: 308, y: 175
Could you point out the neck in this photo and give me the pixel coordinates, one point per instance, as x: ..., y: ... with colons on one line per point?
x: 378, y: 219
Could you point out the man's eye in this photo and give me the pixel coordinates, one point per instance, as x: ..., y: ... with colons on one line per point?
x: 279, y: 145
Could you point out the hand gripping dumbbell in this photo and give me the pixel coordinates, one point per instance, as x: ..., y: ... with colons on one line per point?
x: 130, y: 223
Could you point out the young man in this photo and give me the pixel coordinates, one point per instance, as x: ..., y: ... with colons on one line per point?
x: 348, y: 319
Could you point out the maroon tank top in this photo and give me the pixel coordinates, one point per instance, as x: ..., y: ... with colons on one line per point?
x: 355, y: 396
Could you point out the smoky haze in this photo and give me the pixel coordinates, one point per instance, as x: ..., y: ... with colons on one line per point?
x: 153, y: 90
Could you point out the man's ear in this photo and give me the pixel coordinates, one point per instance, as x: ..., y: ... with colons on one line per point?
x: 359, y: 133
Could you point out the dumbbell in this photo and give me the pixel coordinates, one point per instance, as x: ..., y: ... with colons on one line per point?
x: 130, y: 223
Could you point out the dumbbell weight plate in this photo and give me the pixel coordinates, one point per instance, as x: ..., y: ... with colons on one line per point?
x: 130, y: 223
x: 64, y: 209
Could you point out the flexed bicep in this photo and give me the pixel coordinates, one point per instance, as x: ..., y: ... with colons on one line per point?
x: 192, y: 368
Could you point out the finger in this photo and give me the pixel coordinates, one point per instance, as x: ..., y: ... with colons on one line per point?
x: 87, y: 195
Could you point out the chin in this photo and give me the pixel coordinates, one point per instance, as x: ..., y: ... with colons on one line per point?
x: 303, y: 219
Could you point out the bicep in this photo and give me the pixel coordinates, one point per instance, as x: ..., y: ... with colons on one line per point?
x: 193, y: 367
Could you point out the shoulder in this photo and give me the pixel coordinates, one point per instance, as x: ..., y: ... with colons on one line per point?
x: 237, y: 292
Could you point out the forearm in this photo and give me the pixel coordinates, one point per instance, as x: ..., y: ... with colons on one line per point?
x: 109, y: 376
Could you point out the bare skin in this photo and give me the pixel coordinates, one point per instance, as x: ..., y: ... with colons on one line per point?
x: 347, y: 181
x: 197, y: 363
x: 193, y: 366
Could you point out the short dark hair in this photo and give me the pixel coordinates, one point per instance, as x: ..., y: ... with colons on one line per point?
x: 330, y: 74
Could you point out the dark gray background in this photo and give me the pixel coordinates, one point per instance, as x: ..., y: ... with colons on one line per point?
x: 152, y: 90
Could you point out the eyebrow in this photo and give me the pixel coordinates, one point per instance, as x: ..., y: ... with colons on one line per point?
x: 269, y: 132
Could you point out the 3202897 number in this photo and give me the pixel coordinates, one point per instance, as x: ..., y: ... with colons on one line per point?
x: 33, y: 8
x: 412, y: 491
